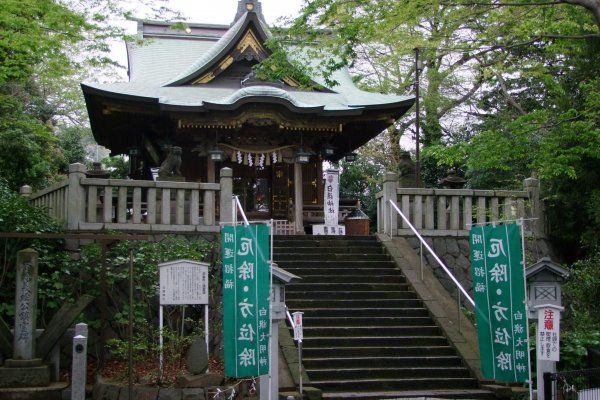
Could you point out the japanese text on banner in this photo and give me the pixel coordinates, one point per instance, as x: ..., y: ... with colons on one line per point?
x: 499, y: 293
x: 246, y: 288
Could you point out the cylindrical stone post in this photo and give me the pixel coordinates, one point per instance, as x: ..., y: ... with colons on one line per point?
x: 25, y: 191
x: 81, y: 330
x: 79, y: 368
x: 76, y: 196
x: 226, y: 206
x: 25, y: 305
x: 390, y: 192
x: 532, y: 187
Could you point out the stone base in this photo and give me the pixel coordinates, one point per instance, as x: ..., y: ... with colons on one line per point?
x: 11, y: 363
x: 24, y: 377
x: 170, y: 179
x: 52, y: 392
x: 199, y: 381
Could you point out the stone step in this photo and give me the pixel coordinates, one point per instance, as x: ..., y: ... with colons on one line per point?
x: 347, y: 372
x: 378, y: 351
x: 327, y: 271
x: 331, y: 238
x: 298, y: 305
x: 466, y: 394
x: 338, y: 250
x: 352, y: 294
x: 323, y: 287
x: 339, y: 265
x: 330, y: 256
x: 360, y: 331
x: 336, y: 312
x: 365, y: 321
x: 381, y: 362
x: 365, y: 384
x: 378, y: 340
x: 326, y: 243
x: 354, y: 278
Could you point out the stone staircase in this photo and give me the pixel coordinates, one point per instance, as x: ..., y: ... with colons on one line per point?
x: 366, y: 334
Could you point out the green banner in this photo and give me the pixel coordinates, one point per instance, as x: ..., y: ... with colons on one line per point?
x: 246, y: 289
x: 499, y: 292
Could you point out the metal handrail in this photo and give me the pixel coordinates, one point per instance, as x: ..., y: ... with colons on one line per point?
x: 440, y: 262
x: 238, y: 205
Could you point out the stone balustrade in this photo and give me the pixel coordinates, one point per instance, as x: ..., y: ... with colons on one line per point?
x: 451, y: 212
x: 92, y: 204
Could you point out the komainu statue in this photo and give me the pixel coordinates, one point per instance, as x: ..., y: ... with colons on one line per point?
x: 171, y: 167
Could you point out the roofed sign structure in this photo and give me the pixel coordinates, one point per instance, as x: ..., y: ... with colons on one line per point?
x: 194, y: 91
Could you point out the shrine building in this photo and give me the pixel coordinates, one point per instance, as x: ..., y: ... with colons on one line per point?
x: 193, y: 105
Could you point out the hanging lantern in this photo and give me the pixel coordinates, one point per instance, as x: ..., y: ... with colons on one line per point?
x: 302, y: 157
x: 351, y: 157
x: 216, y: 154
x: 327, y: 150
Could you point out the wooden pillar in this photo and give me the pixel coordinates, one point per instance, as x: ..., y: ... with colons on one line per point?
x: 298, y: 198
x: 210, y: 171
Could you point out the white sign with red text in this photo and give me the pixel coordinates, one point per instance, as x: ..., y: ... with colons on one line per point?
x: 548, y: 343
x: 297, y: 318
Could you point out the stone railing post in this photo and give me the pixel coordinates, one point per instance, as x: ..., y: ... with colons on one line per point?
x: 226, y: 206
x: 532, y: 187
x: 79, y: 368
x: 76, y: 197
x: 390, y: 192
x: 25, y: 191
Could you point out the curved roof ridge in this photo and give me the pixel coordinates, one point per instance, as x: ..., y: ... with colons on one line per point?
x: 221, y: 45
x: 261, y: 91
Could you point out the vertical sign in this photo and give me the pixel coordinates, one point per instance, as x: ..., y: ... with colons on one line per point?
x: 298, y: 327
x: 499, y: 291
x: 246, y: 289
x: 548, y: 334
x: 332, y: 198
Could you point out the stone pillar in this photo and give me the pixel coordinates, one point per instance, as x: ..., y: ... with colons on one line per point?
x: 25, y: 305
x: 298, y: 198
x: 532, y: 187
x: 24, y: 369
x: 390, y: 190
x: 79, y: 368
x: 226, y: 206
x: 76, y: 197
x: 25, y: 191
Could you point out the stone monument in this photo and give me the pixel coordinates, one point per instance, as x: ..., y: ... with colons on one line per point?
x: 24, y: 369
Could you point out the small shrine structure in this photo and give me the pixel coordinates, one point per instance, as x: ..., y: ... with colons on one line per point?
x: 193, y: 105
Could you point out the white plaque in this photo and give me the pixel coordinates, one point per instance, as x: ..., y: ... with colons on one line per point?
x: 298, y: 328
x: 183, y: 282
x: 338, y: 230
x: 332, y: 197
x: 548, y: 343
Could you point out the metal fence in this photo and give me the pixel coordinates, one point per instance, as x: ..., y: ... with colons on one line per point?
x: 573, y: 385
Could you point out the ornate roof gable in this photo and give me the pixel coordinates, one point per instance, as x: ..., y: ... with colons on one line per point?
x: 244, y: 41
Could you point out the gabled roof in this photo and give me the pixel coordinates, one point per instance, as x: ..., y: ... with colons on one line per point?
x: 546, y: 264
x: 164, y: 70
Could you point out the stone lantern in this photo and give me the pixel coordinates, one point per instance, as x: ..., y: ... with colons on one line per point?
x: 544, y: 281
x: 281, y: 278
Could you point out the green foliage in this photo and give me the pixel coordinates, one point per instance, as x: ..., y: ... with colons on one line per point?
x: 117, y: 165
x: 18, y: 215
x: 581, y: 327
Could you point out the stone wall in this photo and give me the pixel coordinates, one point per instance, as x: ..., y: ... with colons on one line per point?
x: 455, y: 253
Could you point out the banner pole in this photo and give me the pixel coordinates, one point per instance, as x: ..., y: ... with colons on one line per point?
x: 522, y: 223
x: 271, y: 231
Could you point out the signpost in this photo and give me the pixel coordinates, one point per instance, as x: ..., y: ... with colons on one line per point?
x: 182, y: 282
x: 246, y: 299
x: 548, y: 343
x: 499, y: 292
x: 331, y: 208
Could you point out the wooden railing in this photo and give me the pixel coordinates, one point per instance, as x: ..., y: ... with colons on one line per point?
x: 92, y: 204
x: 452, y: 212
